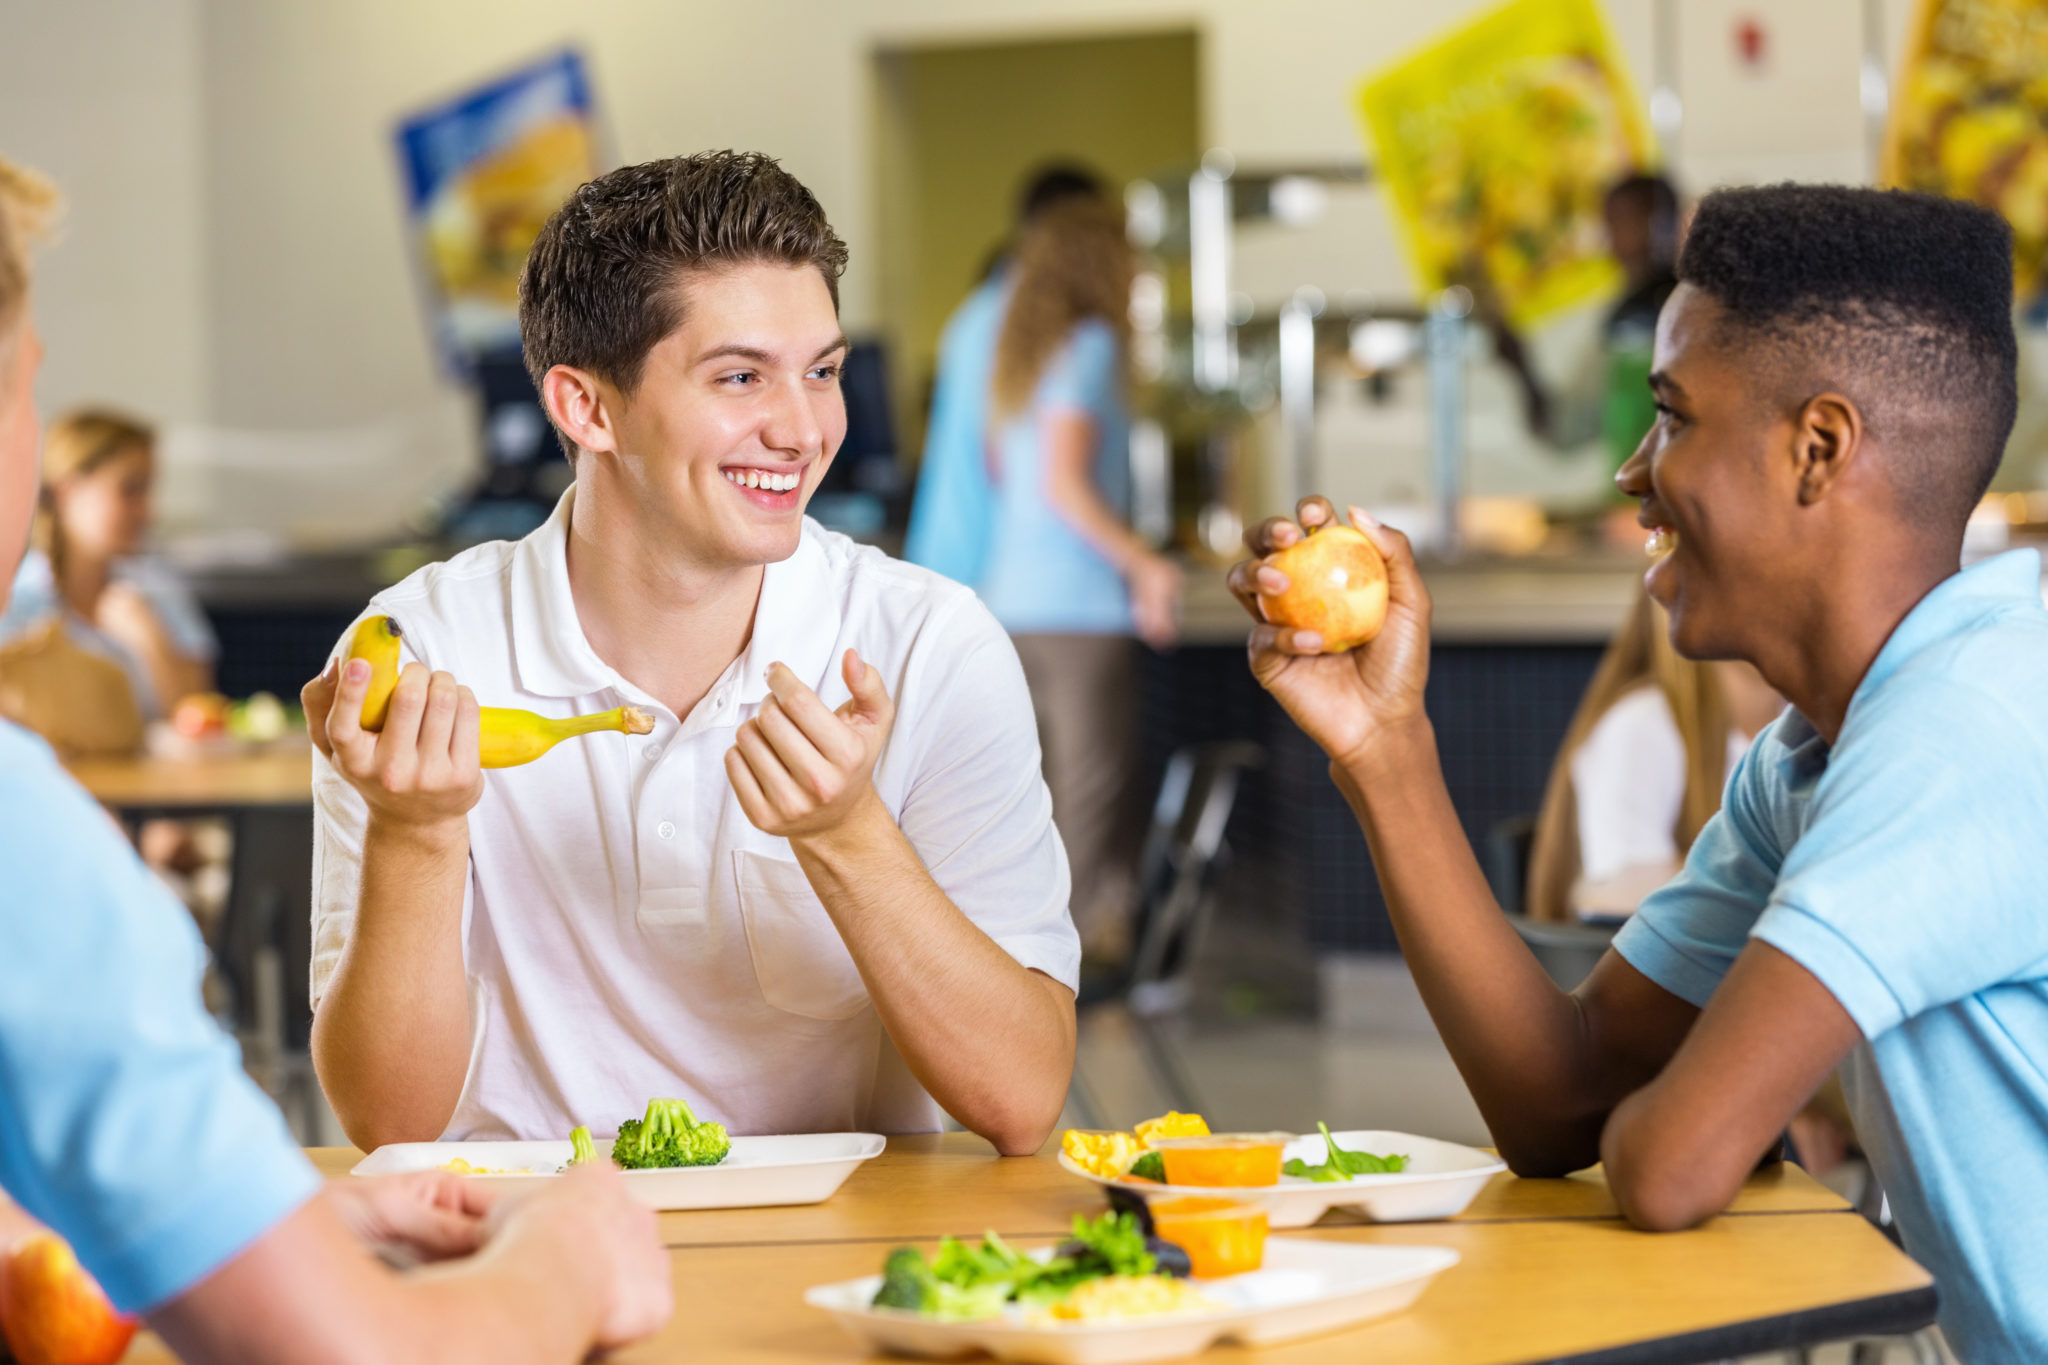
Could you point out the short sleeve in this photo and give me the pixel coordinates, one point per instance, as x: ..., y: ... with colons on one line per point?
x: 1919, y: 879
x: 1084, y: 375
x: 977, y: 809
x: 126, y: 1121
x: 1687, y: 934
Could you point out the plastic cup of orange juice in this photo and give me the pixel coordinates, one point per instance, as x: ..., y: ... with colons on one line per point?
x: 1220, y: 1236
x: 1223, y: 1159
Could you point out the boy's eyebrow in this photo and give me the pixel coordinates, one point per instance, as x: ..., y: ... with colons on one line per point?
x: 1662, y: 383
x: 742, y: 351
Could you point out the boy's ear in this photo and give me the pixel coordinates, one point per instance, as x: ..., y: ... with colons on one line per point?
x: 1827, y: 440
x: 582, y: 406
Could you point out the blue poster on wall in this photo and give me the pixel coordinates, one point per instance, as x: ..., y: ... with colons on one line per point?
x: 483, y: 172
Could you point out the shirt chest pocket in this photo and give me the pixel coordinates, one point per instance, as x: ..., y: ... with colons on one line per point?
x: 799, y: 958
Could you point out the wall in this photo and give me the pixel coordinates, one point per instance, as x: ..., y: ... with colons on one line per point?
x: 104, y: 97
x: 237, y: 249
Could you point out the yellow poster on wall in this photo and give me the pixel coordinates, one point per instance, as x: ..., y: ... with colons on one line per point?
x: 1970, y: 119
x: 1497, y: 144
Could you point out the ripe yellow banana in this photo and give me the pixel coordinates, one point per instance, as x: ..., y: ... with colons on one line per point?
x: 510, y: 737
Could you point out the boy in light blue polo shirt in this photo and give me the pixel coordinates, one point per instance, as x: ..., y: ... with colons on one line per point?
x: 1906, y: 868
x: 1835, y: 382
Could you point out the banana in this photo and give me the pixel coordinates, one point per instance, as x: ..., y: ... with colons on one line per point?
x: 510, y: 737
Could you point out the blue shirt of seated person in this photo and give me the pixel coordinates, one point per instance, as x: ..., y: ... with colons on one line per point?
x: 126, y: 1121
x: 1907, y: 869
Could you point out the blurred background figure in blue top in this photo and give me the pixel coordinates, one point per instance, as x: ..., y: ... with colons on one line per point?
x: 951, y: 515
x: 1065, y: 574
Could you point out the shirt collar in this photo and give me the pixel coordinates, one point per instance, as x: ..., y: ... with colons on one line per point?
x: 1958, y: 601
x: 2010, y: 579
x: 795, y: 621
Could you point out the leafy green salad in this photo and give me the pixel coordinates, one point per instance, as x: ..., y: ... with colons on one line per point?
x: 962, y: 1282
x: 1339, y: 1164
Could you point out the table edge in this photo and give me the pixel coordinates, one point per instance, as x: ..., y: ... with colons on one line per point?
x: 1883, y: 1315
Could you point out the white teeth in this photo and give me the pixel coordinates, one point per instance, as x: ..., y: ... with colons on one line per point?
x: 754, y: 478
x: 1663, y: 540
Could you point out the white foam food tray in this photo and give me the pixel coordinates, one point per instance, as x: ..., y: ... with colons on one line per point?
x: 799, y: 1168
x: 1304, y: 1288
x: 1441, y: 1179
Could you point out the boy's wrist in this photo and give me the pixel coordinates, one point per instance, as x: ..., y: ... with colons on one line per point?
x: 437, y: 836
x: 1390, y: 757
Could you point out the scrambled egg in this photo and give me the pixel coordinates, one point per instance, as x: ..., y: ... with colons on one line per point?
x: 1129, y: 1296
x: 1172, y: 1123
x: 461, y: 1167
x: 1109, y: 1155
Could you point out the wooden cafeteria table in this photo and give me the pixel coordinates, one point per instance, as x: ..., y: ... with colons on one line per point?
x: 1549, y: 1271
x: 206, y: 784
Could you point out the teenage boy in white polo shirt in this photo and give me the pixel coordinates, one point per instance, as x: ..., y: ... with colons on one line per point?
x: 825, y: 893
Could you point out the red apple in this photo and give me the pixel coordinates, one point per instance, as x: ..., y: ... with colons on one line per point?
x: 1336, y: 584
x: 52, y: 1311
x: 200, y: 715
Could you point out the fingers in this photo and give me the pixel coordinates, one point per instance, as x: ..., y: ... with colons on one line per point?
x: 1404, y: 577
x: 799, y: 757
x: 1274, y: 533
x: 398, y: 743
x: 432, y: 1230
x: 780, y: 789
x: 467, y: 747
x: 753, y: 801
x: 1284, y: 640
x: 348, y: 743
x: 801, y: 708
x: 437, y: 721
x: 864, y: 680
x: 315, y: 699
x: 1313, y: 511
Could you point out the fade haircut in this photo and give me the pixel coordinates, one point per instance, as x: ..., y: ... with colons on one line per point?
x: 1902, y: 302
x: 604, y: 282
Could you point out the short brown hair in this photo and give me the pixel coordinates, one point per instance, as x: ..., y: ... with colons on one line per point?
x: 599, y: 289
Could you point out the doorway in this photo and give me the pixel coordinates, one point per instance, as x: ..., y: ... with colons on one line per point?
x: 960, y: 126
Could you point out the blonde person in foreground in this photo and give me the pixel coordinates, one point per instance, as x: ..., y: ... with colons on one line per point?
x: 127, y: 1124
x: 825, y: 893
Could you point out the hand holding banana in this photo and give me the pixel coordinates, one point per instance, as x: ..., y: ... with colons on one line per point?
x: 414, y: 741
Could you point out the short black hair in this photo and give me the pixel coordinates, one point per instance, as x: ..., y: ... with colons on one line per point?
x: 1653, y: 193
x: 1056, y: 183
x: 1901, y: 301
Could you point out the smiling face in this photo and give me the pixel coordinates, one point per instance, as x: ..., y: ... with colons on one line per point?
x: 1718, y: 476
x: 736, y: 416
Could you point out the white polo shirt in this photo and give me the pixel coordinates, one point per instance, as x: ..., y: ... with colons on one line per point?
x: 627, y: 932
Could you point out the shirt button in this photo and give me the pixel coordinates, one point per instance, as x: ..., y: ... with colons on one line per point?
x: 666, y: 830
x: 651, y: 752
x: 721, y: 699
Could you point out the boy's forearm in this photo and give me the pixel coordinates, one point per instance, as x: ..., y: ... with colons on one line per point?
x: 991, y: 1040
x: 1520, y: 1043
x: 391, y: 1034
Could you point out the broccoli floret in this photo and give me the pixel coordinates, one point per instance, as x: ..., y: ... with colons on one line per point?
x: 905, y: 1279
x: 670, y: 1135
x: 581, y: 1149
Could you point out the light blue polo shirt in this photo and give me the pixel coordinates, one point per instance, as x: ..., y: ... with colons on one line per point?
x: 126, y: 1121
x: 1907, y: 869
x: 1043, y: 576
x: 951, y: 515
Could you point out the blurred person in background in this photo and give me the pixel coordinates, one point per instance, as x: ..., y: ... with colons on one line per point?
x: 87, y: 567
x: 1608, y: 393
x: 128, y: 1126
x: 1640, y: 770
x: 1066, y: 575
x: 952, y: 512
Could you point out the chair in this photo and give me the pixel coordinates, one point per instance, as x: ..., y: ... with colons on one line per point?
x: 1567, y: 952
x: 1174, y: 899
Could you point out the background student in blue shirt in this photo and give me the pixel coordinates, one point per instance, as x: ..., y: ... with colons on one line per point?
x: 1835, y: 381
x: 128, y: 1125
x: 953, y: 511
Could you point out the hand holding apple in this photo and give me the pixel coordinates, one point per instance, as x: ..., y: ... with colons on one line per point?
x: 52, y: 1311
x: 1342, y: 640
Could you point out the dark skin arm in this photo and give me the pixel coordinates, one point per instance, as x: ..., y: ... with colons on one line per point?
x: 1680, y: 1103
